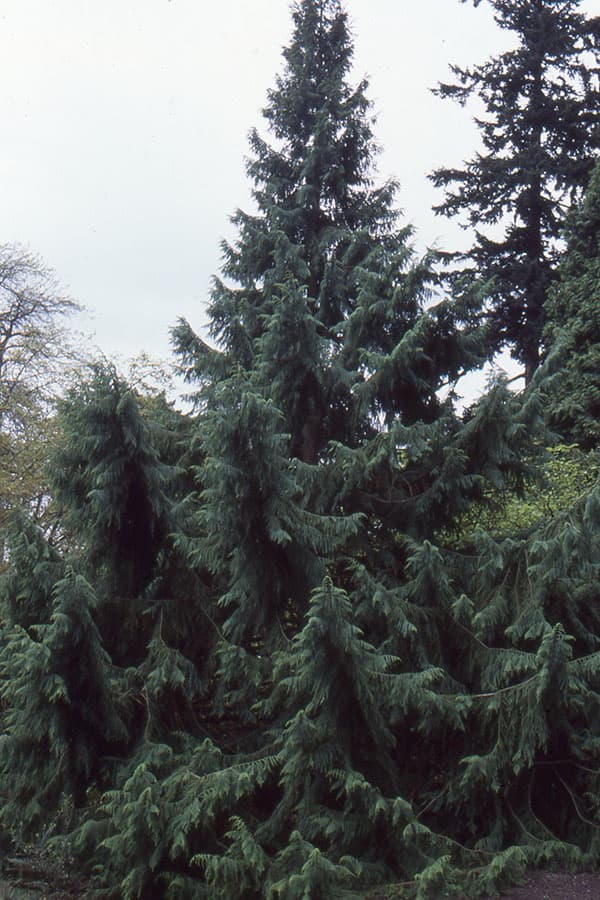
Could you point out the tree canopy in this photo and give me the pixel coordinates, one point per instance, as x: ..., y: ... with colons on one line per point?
x: 325, y: 630
x: 37, y: 353
x: 540, y: 134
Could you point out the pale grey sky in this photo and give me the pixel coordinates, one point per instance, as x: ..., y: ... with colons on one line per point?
x: 124, y: 130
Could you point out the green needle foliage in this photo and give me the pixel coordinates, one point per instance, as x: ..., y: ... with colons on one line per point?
x: 257, y: 532
x: 573, y: 312
x: 27, y: 583
x: 541, y: 134
x: 60, y: 696
x: 316, y: 652
x: 533, y: 629
x: 109, y: 480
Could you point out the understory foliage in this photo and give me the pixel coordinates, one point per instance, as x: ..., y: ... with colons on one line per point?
x: 325, y: 631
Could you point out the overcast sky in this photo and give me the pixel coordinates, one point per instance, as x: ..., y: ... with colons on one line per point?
x: 124, y: 127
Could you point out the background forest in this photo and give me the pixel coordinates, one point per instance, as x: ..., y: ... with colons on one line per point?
x: 326, y: 630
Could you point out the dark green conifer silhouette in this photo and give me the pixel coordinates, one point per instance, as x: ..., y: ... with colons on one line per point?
x: 541, y: 133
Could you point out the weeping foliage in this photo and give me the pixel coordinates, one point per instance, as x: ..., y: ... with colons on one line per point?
x: 62, y: 713
x: 277, y: 658
x: 154, y: 833
x: 258, y: 531
x: 26, y: 585
x: 109, y: 480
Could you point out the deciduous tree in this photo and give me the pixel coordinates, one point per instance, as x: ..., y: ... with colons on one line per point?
x: 36, y: 354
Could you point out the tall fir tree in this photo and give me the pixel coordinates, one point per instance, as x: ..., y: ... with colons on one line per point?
x: 321, y: 309
x: 540, y: 131
x: 327, y: 446
x: 321, y: 274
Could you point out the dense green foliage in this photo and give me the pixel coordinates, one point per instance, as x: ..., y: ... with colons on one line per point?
x: 567, y: 473
x: 541, y: 132
x: 573, y: 326
x: 325, y: 632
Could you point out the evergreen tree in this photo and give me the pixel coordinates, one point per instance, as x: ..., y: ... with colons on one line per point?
x: 540, y: 133
x: 107, y: 477
x: 573, y: 313
x: 27, y: 583
x: 533, y: 637
x: 257, y: 532
x: 322, y: 275
x: 61, y: 715
x: 320, y: 410
x: 327, y: 687
x: 321, y: 312
x: 124, y: 483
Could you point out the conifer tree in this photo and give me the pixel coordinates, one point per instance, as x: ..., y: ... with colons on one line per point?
x: 319, y: 410
x: 573, y: 313
x: 531, y: 622
x: 124, y: 484
x: 377, y: 698
x: 27, y: 583
x: 322, y: 274
x: 257, y: 532
x: 321, y: 312
x: 107, y: 477
x: 61, y: 714
x: 112, y: 488
x: 541, y: 133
